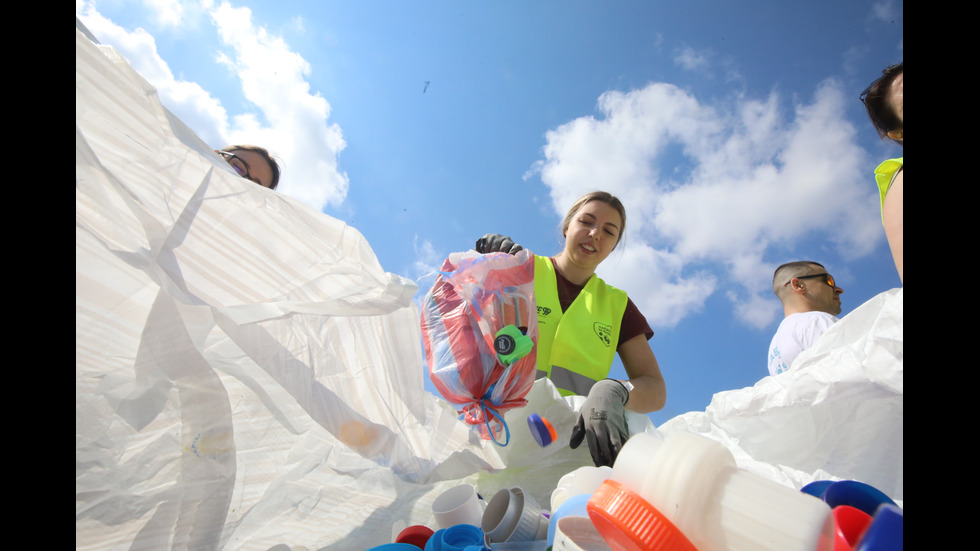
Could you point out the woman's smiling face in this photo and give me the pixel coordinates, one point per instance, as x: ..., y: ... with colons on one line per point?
x: 592, y: 234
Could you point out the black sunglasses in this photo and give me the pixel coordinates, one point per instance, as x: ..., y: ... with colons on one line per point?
x: 829, y: 279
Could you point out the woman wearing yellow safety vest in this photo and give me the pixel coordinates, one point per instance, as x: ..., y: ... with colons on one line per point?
x: 583, y: 323
x: 885, y: 102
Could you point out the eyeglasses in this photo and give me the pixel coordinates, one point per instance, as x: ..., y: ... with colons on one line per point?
x: 240, y: 166
x: 829, y: 279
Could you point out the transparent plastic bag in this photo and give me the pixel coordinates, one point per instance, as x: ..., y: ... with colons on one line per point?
x: 479, y: 328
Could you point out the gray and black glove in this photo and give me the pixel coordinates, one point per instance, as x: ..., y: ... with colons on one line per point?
x: 496, y: 243
x: 602, y: 421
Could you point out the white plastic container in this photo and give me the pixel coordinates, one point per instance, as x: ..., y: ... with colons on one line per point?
x: 694, y: 482
x: 513, y: 516
x: 584, y: 480
x: 458, y: 505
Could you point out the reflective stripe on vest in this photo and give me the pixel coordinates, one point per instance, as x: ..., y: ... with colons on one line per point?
x: 567, y: 381
x: 576, y: 348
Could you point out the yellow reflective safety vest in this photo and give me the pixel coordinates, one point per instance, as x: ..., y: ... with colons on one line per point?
x: 884, y: 175
x: 576, y: 348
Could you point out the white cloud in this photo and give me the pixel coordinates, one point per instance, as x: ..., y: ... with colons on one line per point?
x: 427, y: 262
x: 755, y: 180
x: 170, y: 13
x: 657, y: 282
x: 884, y: 11
x: 289, y: 119
x: 755, y: 309
x: 690, y: 59
x: 427, y: 259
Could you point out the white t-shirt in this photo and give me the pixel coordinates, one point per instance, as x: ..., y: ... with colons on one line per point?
x: 796, y: 333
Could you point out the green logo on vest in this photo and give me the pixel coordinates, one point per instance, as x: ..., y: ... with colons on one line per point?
x: 604, y: 332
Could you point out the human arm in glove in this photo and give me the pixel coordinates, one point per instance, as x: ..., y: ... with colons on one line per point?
x: 602, y: 422
x: 496, y: 243
x: 602, y: 419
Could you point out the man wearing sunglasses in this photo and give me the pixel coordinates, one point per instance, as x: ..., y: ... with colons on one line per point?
x: 811, y: 302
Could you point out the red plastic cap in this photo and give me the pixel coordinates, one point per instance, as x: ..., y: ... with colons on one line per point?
x: 850, y: 524
x: 629, y: 523
x: 416, y: 535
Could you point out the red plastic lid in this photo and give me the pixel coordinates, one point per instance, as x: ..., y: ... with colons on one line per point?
x: 850, y: 524
x: 628, y: 522
x: 416, y: 535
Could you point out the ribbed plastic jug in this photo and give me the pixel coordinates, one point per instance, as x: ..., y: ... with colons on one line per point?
x: 694, y: 482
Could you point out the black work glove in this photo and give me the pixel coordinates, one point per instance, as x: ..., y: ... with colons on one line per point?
x: 496, y: 243
x: 602, y: 421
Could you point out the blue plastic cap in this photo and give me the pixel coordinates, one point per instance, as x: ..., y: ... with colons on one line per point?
x: 540, y: 429
x: 856, y: 494
x: 817, y: 488
x: 459, y: 537
x: 435, y: 541
x: 885, y: 532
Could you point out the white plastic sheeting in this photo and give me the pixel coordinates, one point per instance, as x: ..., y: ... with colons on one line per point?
x: 836, y: 414
x: 249, y: 377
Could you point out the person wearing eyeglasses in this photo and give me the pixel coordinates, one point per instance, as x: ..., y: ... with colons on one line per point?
x: 252, y: 163
x: 884, y: 100
x: 811, y: 302
x: 584, y: 323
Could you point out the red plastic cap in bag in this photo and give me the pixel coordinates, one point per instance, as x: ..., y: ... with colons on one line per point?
x: 629, y: 523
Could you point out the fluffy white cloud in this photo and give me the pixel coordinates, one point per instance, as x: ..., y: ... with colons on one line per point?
x: 706, y: 186
x: 657, y: 281
x: 170, y: 13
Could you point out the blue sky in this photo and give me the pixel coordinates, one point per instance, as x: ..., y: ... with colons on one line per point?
x: 731, y: 130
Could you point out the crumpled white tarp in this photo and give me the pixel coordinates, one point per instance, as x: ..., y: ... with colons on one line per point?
x: 836, y: 414
x: 248, y: 376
